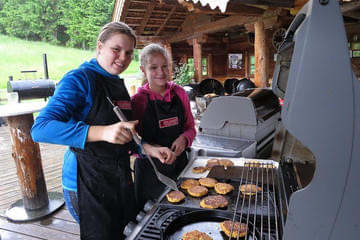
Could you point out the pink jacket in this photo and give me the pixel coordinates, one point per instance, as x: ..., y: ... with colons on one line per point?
x: 138, y: 105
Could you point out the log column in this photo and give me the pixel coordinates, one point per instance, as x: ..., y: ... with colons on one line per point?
x: 261, y: 56
x: 197, y: 60
x: 26, y: 155
x: 168, y: 48
x: 36, y: 202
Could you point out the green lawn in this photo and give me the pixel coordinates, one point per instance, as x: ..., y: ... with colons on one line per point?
x: 17, y: 55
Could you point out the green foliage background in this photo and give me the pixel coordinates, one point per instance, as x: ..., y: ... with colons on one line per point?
x: 17, y: 55
x: 73, y: 23
x: 182, y: 74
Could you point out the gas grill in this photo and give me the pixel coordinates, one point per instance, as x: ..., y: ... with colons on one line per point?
x: 321, y: 116
x: 240, y: 125
x: 259, y: 211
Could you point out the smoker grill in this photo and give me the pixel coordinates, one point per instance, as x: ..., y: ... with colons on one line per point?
x: 321, y: 115
x: 241, y: 125
x: 31, y: 89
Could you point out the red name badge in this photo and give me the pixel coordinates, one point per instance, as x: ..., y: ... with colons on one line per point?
x: 126, y: 105
x: 168, y: 122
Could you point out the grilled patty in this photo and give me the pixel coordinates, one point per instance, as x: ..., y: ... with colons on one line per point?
x: 199, y: 169
x: 223, y: 188
x: 250, y: 189
x: 175, y: 196
x: 226, y: 162
x: 214, y: 201
x: 208, y: 182
x: 212, y: 162
x: 197, y: 191
x: 195, y: 235
x: 226, y: 227
x: 186, y: 184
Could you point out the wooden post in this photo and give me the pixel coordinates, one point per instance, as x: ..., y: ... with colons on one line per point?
x: 210, y: 65
x: 247, y: 64
x: 36, y: 202
x: 197, y: 60
x: 167, y: 46
x: 261, y: 56
x: 26, y: 155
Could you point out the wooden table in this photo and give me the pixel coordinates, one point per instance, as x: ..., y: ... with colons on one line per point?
x: 36, y: 202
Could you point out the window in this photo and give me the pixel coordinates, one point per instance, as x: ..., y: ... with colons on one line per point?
x: 355, y: 47
x: 252, y: 65
x: 356, y: 53
x: 191, y: 67
x: 204, y: 66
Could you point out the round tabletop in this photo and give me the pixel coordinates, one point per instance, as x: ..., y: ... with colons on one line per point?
x: 16, y: 109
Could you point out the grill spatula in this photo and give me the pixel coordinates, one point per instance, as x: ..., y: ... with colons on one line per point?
x: 162, y: 178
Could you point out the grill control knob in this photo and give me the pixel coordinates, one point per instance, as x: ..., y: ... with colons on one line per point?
x: 140, y: 216
x: 148, y: 205
x: 129, y: 228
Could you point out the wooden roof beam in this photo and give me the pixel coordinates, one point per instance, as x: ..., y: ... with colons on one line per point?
x: 215, y: 26
x: 120, y: 10
x: 166, y: 20
x: 274, y: 3
x: 269, y: 23
x: 200, y: 38
x: 142, y: 40
x: 347, y: 9
x: 232, y: 9
x: 148, y: 13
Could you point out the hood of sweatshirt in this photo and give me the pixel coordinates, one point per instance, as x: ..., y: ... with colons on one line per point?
x: 94, y: 65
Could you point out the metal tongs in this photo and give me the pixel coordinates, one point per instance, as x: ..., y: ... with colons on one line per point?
x: 162, y: 178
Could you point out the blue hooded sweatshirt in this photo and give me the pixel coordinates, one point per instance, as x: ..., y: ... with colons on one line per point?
x: 62, y: 120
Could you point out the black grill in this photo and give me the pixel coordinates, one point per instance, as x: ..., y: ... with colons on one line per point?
x: 31, y: 89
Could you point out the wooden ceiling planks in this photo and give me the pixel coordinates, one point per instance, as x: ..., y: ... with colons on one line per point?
x: 168, y: 19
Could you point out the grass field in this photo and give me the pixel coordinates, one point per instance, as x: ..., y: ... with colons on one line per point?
x: 17, y: 55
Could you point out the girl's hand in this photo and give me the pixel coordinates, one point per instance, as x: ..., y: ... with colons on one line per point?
x: 164, y: 154
x: 117, y: 133
x: 179, y: 145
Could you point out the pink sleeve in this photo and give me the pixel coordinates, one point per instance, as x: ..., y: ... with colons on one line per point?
x: 189, y: 125
x: 138, y: 105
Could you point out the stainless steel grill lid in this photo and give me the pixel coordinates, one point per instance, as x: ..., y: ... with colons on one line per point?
x: 322, y: 110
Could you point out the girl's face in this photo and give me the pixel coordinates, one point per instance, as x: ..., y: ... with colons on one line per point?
x: 115, y: 54
x: 156, y: 70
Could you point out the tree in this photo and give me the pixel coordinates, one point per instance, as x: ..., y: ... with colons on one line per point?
x: 30, y: 19
x: 182, y: 74
x: 83, y: 20
x: 74, y: 23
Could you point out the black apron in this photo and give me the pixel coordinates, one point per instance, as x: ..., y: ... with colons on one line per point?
x: 162, y: 123
x: 105, y: 187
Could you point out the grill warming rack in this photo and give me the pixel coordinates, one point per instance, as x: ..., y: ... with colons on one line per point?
x: 263, y: 175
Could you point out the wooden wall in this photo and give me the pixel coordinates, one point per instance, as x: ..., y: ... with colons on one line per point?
x: 356, y: 66
x: 218, y: 54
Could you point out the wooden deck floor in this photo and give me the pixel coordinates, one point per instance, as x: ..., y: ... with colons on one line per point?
x: 60, y: 225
